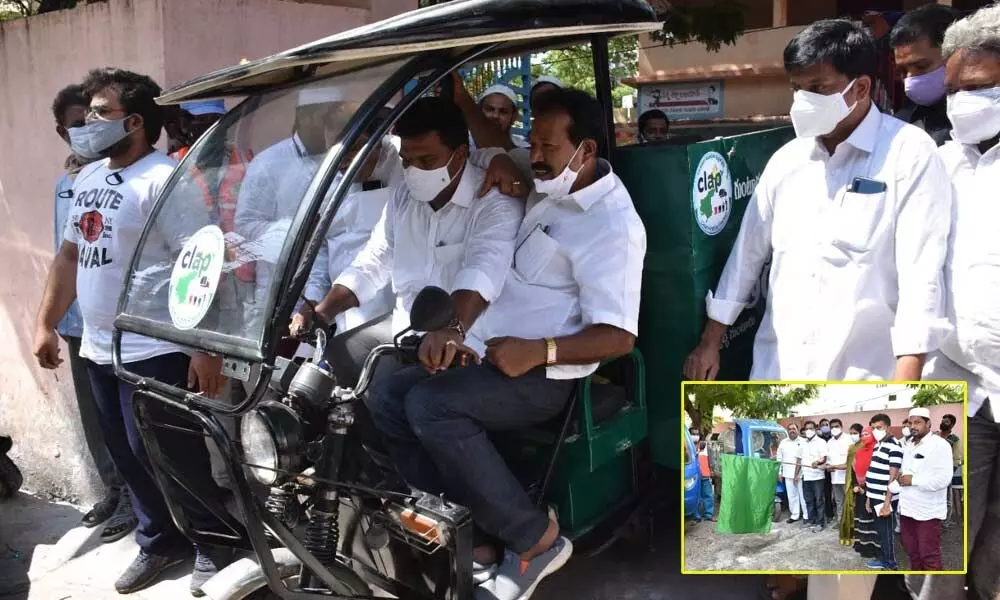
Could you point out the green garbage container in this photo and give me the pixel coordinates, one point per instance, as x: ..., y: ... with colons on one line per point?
x: 691, y: 199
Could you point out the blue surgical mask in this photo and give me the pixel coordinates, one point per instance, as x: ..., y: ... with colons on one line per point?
x: 95, y: 138
x: 825, y: 429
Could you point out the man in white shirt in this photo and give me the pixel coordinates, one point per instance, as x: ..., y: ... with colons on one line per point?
x: 790, y: 457
x: 837, y: 447
x: 570, y: 300
x: 972, y: 277
x: 112, y: 199
x: 434, y: 231
x: 923, y: 500
x: 853, y: 216
x: 814, y: 459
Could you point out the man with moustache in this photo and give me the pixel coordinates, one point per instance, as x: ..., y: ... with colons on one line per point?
x: 971, y: 351
x: 923, y: 498
x: 113, y: 198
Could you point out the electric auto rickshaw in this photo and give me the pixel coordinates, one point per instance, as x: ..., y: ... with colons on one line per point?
x: 692, y: 476
x: 754, y: 438
x: 316, y: 506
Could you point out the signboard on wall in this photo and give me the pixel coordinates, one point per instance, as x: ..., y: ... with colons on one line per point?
x: 690, y: 100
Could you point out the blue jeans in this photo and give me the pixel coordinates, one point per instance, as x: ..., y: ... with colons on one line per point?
x: 435, y: 429
x: 706, y: 500
x: 156, y: 533
x: 886, y: 529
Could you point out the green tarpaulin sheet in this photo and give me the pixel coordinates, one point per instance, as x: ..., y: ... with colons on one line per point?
x: 748, y: 486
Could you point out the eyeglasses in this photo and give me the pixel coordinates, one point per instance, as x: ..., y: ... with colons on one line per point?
x: 103, y: 111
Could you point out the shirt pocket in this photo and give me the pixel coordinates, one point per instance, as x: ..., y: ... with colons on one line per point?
x: 534, y: 254
x: 447, y: 255
x: 856, y: 221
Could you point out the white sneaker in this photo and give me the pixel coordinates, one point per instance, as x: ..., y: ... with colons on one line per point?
x: 517, y: 580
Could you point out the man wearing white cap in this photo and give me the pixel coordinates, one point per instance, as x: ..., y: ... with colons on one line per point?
x: 498, y: 104
x: 923, y: 497
x: 545, y: 83
x: 277, y: 179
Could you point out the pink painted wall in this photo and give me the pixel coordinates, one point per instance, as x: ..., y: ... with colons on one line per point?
x: 170, y: 40
x: 896, y: 415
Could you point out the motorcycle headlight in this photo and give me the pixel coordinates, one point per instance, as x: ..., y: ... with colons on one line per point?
x: 271, y: 438
x: 689, y: 483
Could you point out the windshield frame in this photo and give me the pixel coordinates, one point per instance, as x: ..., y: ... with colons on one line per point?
x: 308, y: 214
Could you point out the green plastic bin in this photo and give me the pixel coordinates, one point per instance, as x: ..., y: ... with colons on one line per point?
x: 691, y: 199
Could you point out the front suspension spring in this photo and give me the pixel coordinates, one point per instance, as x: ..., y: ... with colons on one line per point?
x: 323, y: 536
x: 283, y: 505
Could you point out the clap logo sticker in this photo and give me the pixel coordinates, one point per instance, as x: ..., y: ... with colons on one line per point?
x: 712, y: 193
x: 196, y: 277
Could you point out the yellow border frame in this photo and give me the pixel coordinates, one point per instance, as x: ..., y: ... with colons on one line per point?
x: 965, y: 478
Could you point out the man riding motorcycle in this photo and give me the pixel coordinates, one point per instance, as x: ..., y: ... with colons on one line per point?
x: 570, y: 301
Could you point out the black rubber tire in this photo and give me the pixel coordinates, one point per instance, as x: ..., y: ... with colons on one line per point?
x: 352, y: 585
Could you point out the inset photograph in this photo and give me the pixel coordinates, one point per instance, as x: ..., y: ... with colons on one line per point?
x: 835, y: 477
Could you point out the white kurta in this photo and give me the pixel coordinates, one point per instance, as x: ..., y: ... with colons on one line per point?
x: 855, y: 278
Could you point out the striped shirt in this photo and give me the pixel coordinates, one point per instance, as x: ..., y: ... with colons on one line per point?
x: 888, y: 454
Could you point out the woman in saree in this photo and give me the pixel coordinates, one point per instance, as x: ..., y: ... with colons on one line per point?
x: 847, y: 514
x: 863, y: 535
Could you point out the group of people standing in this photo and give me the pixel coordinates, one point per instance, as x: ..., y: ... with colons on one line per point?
x: 878, y: 238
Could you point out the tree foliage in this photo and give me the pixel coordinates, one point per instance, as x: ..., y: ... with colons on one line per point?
x: 15, y: 9
x: 713, y: 23
x: 745, y: 400
x: 933, y: 394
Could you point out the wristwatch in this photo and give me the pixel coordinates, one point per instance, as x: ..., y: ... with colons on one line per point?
x: 550, y: 351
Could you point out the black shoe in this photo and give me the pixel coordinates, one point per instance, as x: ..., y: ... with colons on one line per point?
x: 144, y: 570
x: 103, y: 510
x: 208, y: 561
x: 790, y: 521
x: 121, y: 522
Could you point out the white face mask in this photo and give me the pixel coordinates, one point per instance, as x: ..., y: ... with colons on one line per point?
x: 878, y: 434
x: 810, y: 433
x: 696, y: 438
x: 424, y: 186
x: 974, y: 115
x: 906, y: 432
x: 855, y: 438
x: 560, y: 185
x: 836, y: 430
x: 814, y: 115
x: 93, y: 139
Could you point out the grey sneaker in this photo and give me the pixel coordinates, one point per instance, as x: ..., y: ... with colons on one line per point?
x: 208, y: 561
x: 517, y: 580
x: 144, y: 570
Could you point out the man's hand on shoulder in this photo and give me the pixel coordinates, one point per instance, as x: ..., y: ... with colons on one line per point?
x: 516, y: 356
x: 504, y: 175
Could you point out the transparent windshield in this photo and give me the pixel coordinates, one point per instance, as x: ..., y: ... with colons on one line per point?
x: 212, y: 253
x: 765, y: 443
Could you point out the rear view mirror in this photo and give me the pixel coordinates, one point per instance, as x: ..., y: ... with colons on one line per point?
x: 432, y: 309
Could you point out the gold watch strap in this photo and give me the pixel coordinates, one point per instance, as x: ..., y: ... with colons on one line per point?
x: 550, y: 351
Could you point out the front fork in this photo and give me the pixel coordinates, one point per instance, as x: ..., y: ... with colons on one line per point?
x: 323, y: 529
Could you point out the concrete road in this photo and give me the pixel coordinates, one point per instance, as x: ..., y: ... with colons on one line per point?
x: 46, y: 555
x: 792, y: 547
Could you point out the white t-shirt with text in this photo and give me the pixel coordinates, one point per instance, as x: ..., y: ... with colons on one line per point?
x: 107, y: 214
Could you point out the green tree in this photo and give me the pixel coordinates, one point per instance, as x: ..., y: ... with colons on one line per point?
x: 712, y: 23
x: 745, y: 400
x: 933, y: 394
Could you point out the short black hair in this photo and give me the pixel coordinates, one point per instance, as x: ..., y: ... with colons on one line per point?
x: 813, y: 423
x: 585, y: 114
x: 857, y: 427
x: 951, y: 418
x: 837, y: 421
x: 824, y: 420
x: 929, y: 21
x: 137, y: 94
x: 649, y: 115
x: 438, y: 115
x: 848, y: 47
x: 71, y: 95
x: 881, y: 418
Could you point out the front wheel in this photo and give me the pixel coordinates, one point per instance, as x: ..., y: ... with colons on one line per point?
x: 244, y: 580
x: 776, y: 516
